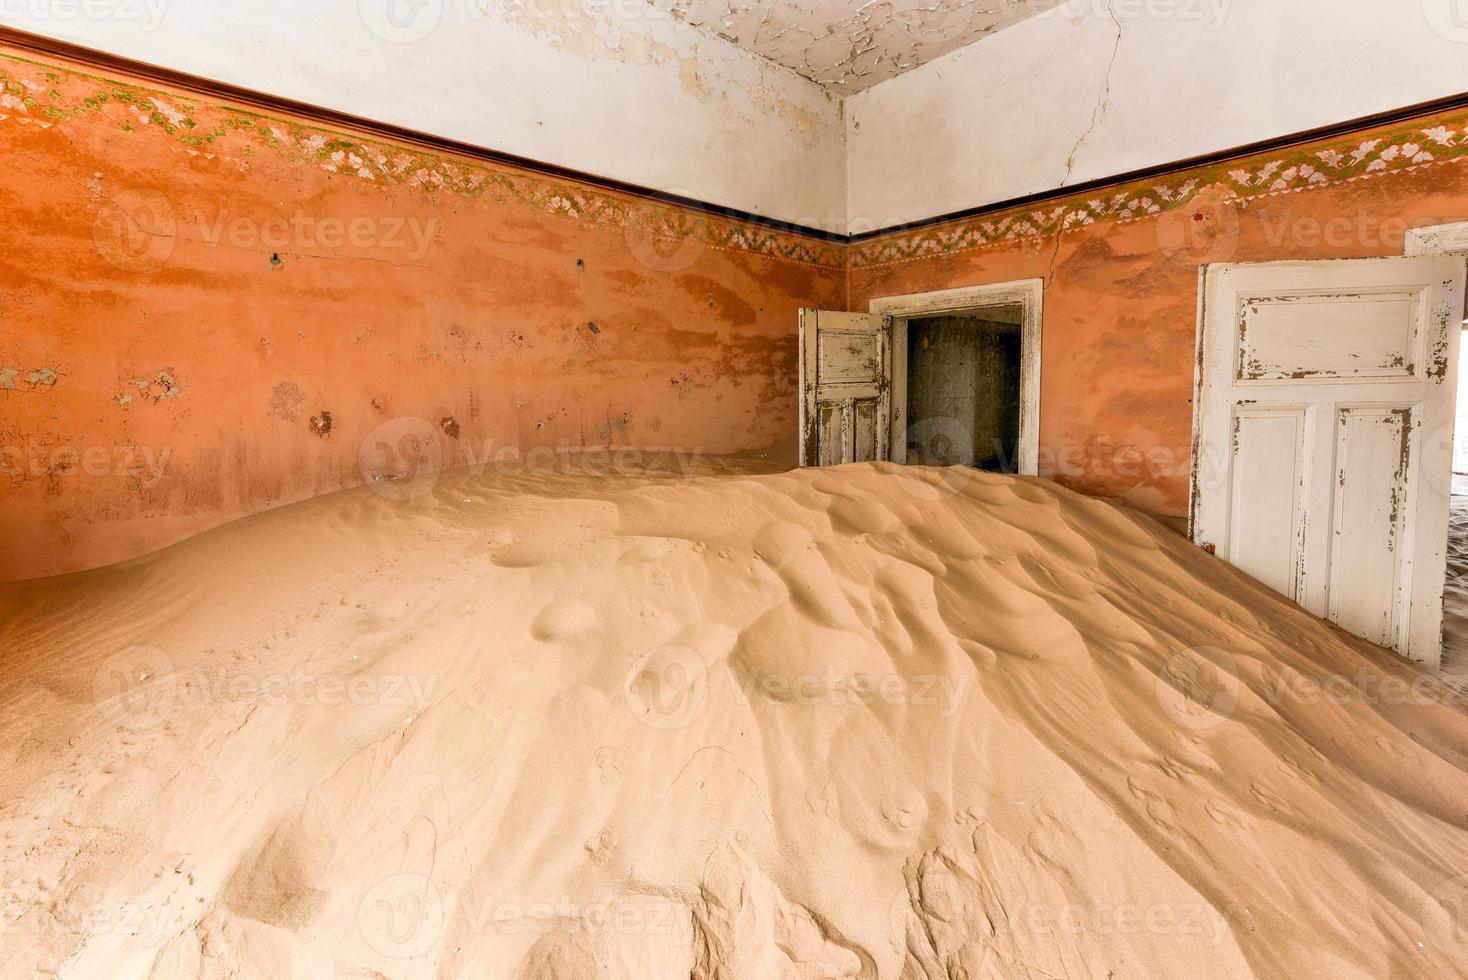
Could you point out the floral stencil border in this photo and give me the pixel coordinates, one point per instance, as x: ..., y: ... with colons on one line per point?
x: 37, y: 93
x: 1425, y: 143
x: 43, y: 94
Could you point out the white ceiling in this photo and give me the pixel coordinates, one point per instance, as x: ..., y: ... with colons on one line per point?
x: 849, y: 45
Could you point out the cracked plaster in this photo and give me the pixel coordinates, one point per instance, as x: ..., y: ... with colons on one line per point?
x: 851, y: 45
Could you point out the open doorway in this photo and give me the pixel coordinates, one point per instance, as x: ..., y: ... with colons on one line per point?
x: 965, y: 376
x: 963, y: 389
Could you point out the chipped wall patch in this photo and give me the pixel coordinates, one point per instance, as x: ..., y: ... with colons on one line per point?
x: 33, y: 379
x: 161, y: 387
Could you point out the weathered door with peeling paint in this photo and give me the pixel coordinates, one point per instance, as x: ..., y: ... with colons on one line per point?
x: 1324, y: 436
x: 845, y: 387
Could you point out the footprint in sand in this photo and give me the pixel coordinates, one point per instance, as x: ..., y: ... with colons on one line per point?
x: 1225, y: 815
x: 1159, y: 811
x: 564, y: 621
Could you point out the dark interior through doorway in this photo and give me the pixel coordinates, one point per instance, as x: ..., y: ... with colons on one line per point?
x: 963, y: 389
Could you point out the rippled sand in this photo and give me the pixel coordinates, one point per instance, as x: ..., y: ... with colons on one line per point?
x: 860, y: 722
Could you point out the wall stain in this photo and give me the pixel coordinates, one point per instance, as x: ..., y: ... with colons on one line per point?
x: 726, y: 302
x: 286, y: 401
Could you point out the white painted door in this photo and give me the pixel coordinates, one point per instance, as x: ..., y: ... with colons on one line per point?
x: 1324, y: 424
x: 845, y: 387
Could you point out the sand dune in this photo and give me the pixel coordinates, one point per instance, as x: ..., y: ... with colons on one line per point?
x: 862, y: 722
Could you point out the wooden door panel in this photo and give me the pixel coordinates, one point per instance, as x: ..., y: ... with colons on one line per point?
x: 1330, y: 336
x: 1324, y: 391
x: 1267, y: 510
x: 845, y: 387
x: 1373, y: 460
x: 864, y: 434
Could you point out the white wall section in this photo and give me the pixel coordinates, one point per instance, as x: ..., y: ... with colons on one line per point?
x: 617, y: 88
x: 1100, y: 87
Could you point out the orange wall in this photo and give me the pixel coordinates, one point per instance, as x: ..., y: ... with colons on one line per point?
x: 1121, y: 295
x: 187, y: 289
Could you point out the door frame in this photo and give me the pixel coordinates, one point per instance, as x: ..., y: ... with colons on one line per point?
x: 1437, y: 239
x: 1028, y: 294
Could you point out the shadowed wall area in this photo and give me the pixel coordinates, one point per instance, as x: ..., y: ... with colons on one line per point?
x: 208, y: 313
x: 963, y: 399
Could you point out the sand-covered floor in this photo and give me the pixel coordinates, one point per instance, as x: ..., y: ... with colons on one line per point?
x: 859, y: 722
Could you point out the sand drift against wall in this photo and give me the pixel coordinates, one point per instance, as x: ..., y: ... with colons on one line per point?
x: 862, y: 722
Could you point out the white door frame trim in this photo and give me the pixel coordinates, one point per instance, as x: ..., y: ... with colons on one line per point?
x: 1437, y: 239
x: 1029, y: 295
